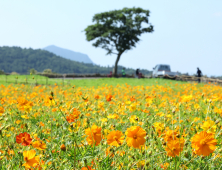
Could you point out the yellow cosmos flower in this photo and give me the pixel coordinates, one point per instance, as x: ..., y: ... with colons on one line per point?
x: 40, y: 145
x: 100, y: 104
x: 133, y: 119
x: 113, y: 116
x: 17, y: 122
x: 217, y: 110
x: 209, y: 126
x: 132, y: 107
x: 128, y: 102
x: 25, y: 117
x: 30, y: 159
x: 104, y: 120
x: 196, y: 106
x: 158, y: 126
x: 186, y: 98
x: 160, y: 114
x: 196, y: 119
x: 169, y: 116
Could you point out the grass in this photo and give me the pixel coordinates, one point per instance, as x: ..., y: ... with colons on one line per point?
x: 41, y: 80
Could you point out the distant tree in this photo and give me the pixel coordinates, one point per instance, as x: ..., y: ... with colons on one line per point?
x: 2, y: 72
x: 47, y: 71
x: 33, y: 71
x: 118, y: 31
x: 14, y: 73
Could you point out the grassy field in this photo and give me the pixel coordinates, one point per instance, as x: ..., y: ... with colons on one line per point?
x: 109, y: 123
x: 41, y: 80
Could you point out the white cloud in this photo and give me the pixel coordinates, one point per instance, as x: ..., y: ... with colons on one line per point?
x: 217, y: 14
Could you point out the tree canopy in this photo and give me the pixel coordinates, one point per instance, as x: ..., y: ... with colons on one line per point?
x: 118, y: 31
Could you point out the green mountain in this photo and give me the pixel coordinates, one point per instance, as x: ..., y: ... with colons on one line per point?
x: 21, y: 60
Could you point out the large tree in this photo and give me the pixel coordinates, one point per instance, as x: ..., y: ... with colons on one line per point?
x: 119, y: 30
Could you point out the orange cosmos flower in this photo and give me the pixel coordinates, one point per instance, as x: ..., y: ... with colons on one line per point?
x: 132, y: 99
x: 109, y: 97
x: 174, y: 147
x: 1, y: 110
x: 23, y: 104
x: 164, y: 166
x: 115, y: 138
x: 40, y: 145
x: 135, y: 136
x: 94, y: 135
x: 73, y: 116
x: 41, y: 124
x: 30, y: 159
x: 96, y: 96
x: 54, y: 109
x: 24, y: 139
x: 170, y: 135
x: 87, y: 168
x: 204, y: 143
x: 11, y: 152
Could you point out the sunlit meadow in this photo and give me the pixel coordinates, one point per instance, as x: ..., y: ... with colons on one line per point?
x: 159, y: 126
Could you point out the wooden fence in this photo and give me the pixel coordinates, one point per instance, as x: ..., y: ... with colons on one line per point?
x: 193, y: 79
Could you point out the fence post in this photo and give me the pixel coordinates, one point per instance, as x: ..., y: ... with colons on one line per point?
x: 64, y: 75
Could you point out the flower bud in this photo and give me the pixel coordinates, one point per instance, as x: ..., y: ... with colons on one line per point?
x: 63, y: 147
x: 52, y: 94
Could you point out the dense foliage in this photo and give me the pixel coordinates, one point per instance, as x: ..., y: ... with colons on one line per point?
x: 16, y: 59
x: 118, y: 31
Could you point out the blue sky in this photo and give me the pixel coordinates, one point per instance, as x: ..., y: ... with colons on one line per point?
x: 187, y: 34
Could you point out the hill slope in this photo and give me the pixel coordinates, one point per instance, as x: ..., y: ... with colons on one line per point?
x: 16, y: 59
x: 68, y: 54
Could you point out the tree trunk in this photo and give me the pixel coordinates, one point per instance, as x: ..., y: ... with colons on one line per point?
x: 116, y: 64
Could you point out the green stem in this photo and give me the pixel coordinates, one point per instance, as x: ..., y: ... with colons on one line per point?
x: 74, y: 151
x: 175, y: 163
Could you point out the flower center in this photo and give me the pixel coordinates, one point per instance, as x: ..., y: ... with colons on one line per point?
x: 23, y: 139
x: 173, y: 149
x: 203, y: 142
x: 134, y: 137
x: 26, y: 159
x: 116, y: 139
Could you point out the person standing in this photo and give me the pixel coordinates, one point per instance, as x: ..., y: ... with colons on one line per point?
x: 123, y: 72
x: 137, y: 73
x: 199, y: 73
x: 110, y: 74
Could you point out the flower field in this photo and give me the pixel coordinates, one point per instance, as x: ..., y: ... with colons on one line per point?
x: 161, y: 126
